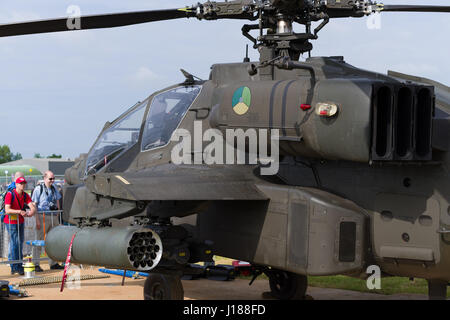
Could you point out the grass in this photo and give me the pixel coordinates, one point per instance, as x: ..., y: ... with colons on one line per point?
x: 391, y: 285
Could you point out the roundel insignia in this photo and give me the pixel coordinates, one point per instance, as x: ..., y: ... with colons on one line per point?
x: 241, y: 100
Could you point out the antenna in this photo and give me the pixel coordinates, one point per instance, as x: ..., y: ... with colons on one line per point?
x: 246, y: 59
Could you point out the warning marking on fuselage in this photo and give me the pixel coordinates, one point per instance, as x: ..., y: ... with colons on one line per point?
x: 123, y: 179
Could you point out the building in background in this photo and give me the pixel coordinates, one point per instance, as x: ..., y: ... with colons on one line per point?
x: 9, y: 170
x: 57, y: 166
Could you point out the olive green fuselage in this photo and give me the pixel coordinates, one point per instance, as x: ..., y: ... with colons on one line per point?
x: 366, y: 185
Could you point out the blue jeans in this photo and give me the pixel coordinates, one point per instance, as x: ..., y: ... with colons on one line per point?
x: 16, y: 237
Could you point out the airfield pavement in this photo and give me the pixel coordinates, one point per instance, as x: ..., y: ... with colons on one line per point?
x: 201, y: 289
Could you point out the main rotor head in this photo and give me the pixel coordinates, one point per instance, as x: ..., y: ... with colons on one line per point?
x: 275, y: 19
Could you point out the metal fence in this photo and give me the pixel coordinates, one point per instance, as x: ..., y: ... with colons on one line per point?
x: 30, y: 234
x: 32, y: 181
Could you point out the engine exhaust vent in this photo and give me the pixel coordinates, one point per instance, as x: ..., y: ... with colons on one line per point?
x: 423, y: 123
x: 382, y: 123
x: 402, y: 118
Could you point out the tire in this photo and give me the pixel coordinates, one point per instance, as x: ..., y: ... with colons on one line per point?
x: 287, y: 285
x: 437, y: 289
x: 163, y: 287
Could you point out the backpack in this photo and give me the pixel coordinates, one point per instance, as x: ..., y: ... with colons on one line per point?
x: 41, y: 188
x: 2, y: 199
x: 10, y: 188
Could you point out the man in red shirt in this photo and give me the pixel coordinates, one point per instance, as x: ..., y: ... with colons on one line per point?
x: 15, y: 202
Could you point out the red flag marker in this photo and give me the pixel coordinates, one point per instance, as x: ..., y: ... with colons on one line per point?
x: 66, y: 265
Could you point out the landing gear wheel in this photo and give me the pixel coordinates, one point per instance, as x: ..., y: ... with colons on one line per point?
x: 437, y: 290
x: 287, y: 285
x: 163, y: 287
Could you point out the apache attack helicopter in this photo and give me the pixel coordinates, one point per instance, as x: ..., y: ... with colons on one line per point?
x: 363, y: 162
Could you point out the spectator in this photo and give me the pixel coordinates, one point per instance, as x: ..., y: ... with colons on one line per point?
x: 15, y: 202
x: 46, y: 197
x: 12, y: 185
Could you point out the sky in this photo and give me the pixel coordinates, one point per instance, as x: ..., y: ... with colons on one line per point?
x: 57, y: 90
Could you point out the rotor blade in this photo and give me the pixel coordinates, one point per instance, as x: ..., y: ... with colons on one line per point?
x: 413, y: 8
x: 93, y: 21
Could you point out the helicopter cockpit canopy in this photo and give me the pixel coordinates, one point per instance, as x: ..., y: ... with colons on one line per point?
x: 166, y: 111
x: 120, y: 136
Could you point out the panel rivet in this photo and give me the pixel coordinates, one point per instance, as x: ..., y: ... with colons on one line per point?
x: 405, y: 237
x: 407, y: 182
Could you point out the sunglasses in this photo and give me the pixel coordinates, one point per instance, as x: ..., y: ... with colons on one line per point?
x: 51, y: 179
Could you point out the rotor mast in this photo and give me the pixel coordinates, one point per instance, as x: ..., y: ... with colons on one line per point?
x: 275, y: 22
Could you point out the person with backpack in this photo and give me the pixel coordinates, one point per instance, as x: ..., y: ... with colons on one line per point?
x: 7, y: 188
x: 46, y: 197
x: 15, y: 212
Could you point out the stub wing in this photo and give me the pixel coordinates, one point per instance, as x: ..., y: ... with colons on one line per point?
x: 179, y: 182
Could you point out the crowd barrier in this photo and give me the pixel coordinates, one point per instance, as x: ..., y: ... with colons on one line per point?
x: 30, y: 235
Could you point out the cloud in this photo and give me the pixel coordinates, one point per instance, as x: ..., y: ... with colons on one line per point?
x: 421, y: 69
x: 144, y: 74
x: 17, y: 16
x: 76, y: 38
x: 144, y: 78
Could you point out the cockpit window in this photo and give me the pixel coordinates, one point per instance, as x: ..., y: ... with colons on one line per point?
x: 120, y: 136
x: 166, y: 111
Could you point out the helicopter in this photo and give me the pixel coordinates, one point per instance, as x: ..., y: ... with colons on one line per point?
x: 357, y: 173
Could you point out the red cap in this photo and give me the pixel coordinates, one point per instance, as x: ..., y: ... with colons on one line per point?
x: 21, y: 180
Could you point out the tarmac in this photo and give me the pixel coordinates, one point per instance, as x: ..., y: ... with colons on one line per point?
x: 201, y: 289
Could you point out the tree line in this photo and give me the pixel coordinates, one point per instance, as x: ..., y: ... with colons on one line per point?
x: 6, y: 155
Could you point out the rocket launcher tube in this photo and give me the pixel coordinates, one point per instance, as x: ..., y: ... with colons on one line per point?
x: 109, y: 247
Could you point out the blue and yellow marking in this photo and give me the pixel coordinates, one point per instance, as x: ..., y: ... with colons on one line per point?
x: 242, y: 99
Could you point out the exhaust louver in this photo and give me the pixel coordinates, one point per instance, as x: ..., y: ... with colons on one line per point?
x: 402, y: 122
